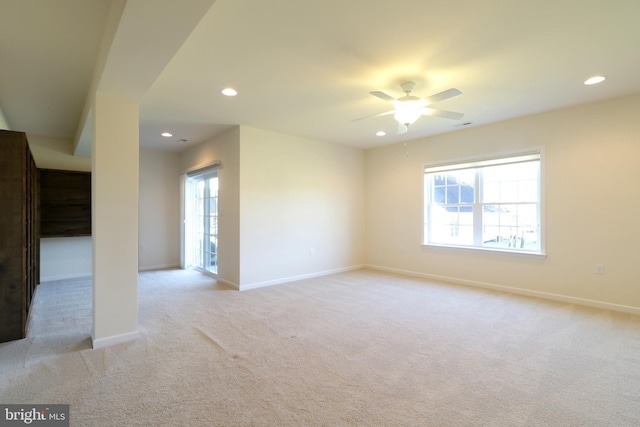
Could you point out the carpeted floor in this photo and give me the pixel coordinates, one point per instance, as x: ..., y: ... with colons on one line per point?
x: 362, y: 348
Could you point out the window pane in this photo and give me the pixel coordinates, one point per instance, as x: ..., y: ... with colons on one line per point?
x: 452, y: 226
x: 509, y: 191
x: 528, y: 190
x: 466, y: 176
x: 452, y: 188
x: 213, y: 185
x: 510, y: 183
x: 491, y: 192
x: 510, y: 226
x: 439, y: 179
x: 508, y: 215
x: 438, y: 194
x: 467, y: 193
x: 453, y: 194
x: 466, y: 215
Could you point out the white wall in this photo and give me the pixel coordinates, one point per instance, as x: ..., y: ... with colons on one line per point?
x: 301, y: 207
x: 159, y: 232
x: 225, y: 148
x: 592, y: 204
x: 289, y: 207
x: 64, y: 257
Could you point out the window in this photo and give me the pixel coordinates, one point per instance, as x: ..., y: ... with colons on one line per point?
x: 490, y: 203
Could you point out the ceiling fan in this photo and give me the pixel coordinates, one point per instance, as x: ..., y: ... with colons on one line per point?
x: 409, y: 107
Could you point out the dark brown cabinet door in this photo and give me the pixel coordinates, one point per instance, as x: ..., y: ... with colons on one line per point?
x: 65, y: 203
x: 19, y: 233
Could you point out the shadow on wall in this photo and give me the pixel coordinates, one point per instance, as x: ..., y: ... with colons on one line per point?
x: 57, y: 153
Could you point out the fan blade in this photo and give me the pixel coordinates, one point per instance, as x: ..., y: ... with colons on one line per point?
x: 449, y: 93
x: 386, y: 113
x: 383, y: 96
x: 441, y: 113
x: 402, y: 128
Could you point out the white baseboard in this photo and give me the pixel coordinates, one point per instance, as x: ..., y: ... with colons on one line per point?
x: 518, y: 291
x: 232, y: 285
x: 158, y: 267
x: 89, y: 274
x: 295, y: 278
x: 115, y: 339
x: 65, y: 277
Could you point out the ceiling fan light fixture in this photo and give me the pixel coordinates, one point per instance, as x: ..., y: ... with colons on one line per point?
x: 408, y: 102
x: 407, y: 116
x: 409, y: 108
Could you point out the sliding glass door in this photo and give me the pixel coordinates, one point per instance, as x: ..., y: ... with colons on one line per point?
x: 201, y: 221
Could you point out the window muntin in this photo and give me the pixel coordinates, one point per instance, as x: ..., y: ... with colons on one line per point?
x: 491, y: 204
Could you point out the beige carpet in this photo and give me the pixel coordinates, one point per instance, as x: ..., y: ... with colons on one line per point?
x: 361, y: 348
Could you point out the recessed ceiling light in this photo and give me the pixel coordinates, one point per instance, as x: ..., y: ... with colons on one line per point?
x: 594, y: 80
x: 229, y: 91
x: 381, y: 133
x: 166, y: 134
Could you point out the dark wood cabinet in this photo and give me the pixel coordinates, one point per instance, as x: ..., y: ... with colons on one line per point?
x: 19, y: 233
x: 65, y: 203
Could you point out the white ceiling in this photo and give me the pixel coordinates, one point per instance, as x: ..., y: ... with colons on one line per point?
x: 48, y: 50
x: 306, y: 67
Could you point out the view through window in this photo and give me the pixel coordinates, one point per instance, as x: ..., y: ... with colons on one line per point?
x: 490, y: 203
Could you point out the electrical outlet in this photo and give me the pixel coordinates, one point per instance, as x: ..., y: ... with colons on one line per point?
x: 599, y: 269
x: 310, y: 251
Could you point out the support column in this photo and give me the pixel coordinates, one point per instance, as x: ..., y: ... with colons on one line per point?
x: 115, y: 182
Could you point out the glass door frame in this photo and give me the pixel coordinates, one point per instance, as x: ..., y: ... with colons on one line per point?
x: 188, y: 206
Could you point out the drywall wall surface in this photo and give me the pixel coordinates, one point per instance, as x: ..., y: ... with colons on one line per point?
x: 115, y: 199
x: 65, y: 258
x: 590, y: 208
x: 301, y: 207
x: 159, y: 227
x: 226, y: 149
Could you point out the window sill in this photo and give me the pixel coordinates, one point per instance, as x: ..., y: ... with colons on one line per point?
x: 539, y: 255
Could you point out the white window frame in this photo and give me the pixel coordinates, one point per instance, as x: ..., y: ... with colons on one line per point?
x: 475, y: 162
